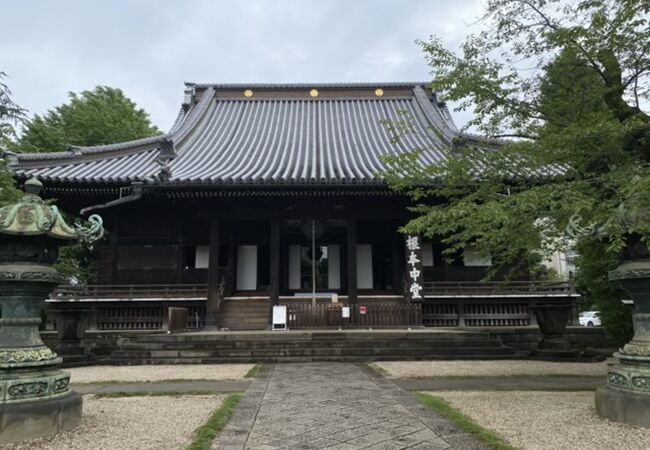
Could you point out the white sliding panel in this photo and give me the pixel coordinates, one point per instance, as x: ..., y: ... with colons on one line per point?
x: 334, y: 266
x: 294, y: 267
x: 247, y: 267
x: 364, y: 266
x: 202, y: 257
x: 427, y: 254
x: 472, y: 258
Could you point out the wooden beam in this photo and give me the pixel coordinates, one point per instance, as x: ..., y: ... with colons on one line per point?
x: 180, y: 252
x: 212, y: 307
x: 114, y: 249
x: 351, y: 231
x: 274, y: 263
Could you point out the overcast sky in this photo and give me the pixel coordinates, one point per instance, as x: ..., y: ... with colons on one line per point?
x: 149, y: 48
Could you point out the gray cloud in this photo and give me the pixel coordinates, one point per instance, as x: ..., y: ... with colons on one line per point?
x: 149, y: 48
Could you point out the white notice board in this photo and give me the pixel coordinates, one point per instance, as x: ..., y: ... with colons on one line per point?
x: 280, y: 317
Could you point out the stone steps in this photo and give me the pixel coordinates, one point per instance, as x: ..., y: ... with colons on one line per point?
x: 311, y: 352
x: 307, y: 344
x: 289, y: 359
x: 318, y: 335
x: 201, y: 348
x: 245, y: 314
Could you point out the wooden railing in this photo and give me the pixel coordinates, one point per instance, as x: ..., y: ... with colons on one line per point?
x: 331, y: 316
x: 132, y: 315
x: 131, y: 291
x: 519, y: 288
x: 477, y: 313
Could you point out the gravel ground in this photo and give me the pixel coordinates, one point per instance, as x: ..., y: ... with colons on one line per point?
x: 547, y: 420
x: 133, y: 423
x: 432, y: 369
x: 135, y: 374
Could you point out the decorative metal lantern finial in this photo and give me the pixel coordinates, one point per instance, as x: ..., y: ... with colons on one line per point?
x: 35, y: 396
x: 32, y: 216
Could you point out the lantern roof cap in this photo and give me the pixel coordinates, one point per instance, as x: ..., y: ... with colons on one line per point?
x: 33, y: 216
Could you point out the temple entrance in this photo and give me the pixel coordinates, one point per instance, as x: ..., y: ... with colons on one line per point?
x: 313, y: 254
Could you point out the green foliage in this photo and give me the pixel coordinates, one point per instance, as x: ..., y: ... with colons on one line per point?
x: 101, y: 116
x: 206, y: 433
x: 465, y: 423
x: 78, y: 262
x: 594, y: 264
x: 254, y: 371
x: 567, y: 80
x: 10, y: 115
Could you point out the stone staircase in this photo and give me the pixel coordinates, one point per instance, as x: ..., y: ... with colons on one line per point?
x: 245, y: 314
x: 306, y: 346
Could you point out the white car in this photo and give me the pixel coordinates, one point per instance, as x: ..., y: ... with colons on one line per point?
x: 590, y: 319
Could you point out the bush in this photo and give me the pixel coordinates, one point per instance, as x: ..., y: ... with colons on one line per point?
x: 593, y: 266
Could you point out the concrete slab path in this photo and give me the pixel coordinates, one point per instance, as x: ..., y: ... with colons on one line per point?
x: 335, y: 406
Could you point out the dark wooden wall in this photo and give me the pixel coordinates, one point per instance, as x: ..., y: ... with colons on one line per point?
x: 152, y: 240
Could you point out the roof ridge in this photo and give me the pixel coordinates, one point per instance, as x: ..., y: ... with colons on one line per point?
x: 351, y: 84
x: 77, y: 151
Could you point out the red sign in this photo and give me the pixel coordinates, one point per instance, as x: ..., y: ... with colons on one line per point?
x: 363, y: 309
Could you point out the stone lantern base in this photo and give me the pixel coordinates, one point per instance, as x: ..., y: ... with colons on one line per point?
x: 31, y: 419
x: 620, y: 406
x: 626, y: 396
x: 35, y: 396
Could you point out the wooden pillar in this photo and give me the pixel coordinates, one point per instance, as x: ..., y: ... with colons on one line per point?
x: 114, y: 250
x: 212, y: 307
x: 352, y: 265
x: 232, y: 259
x: 180, y: 252
x: 396, y: 263
x: 274, y: 265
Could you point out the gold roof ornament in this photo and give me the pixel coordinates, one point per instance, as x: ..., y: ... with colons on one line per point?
x: 313, y: 93
x: 379, y: 92
x: 248, y: 93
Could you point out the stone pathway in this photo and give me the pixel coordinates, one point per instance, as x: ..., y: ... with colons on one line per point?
x: 335, y: 406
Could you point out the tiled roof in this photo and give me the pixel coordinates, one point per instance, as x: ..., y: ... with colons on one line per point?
x: 280, y: 134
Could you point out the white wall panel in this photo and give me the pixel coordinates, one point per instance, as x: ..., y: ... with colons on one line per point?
x: 364, y: 266
x: 294, y: 267
x: 334, y: 266
x: 202, y: 257
x: 247, y: 267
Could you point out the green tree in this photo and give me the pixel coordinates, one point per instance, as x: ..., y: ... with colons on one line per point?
x: 566, y: 81
x: 11, y: 115
x: 101, y: 116
x: 594, y: 264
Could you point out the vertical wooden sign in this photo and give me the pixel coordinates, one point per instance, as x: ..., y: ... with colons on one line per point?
x: 414, y: 273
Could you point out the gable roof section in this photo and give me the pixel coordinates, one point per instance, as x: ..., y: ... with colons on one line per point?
x: 280, y: 134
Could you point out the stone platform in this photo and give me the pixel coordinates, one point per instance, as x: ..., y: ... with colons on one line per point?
x: 307, y: 346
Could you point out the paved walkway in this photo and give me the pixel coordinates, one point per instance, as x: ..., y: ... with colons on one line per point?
x: 335, y: 406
